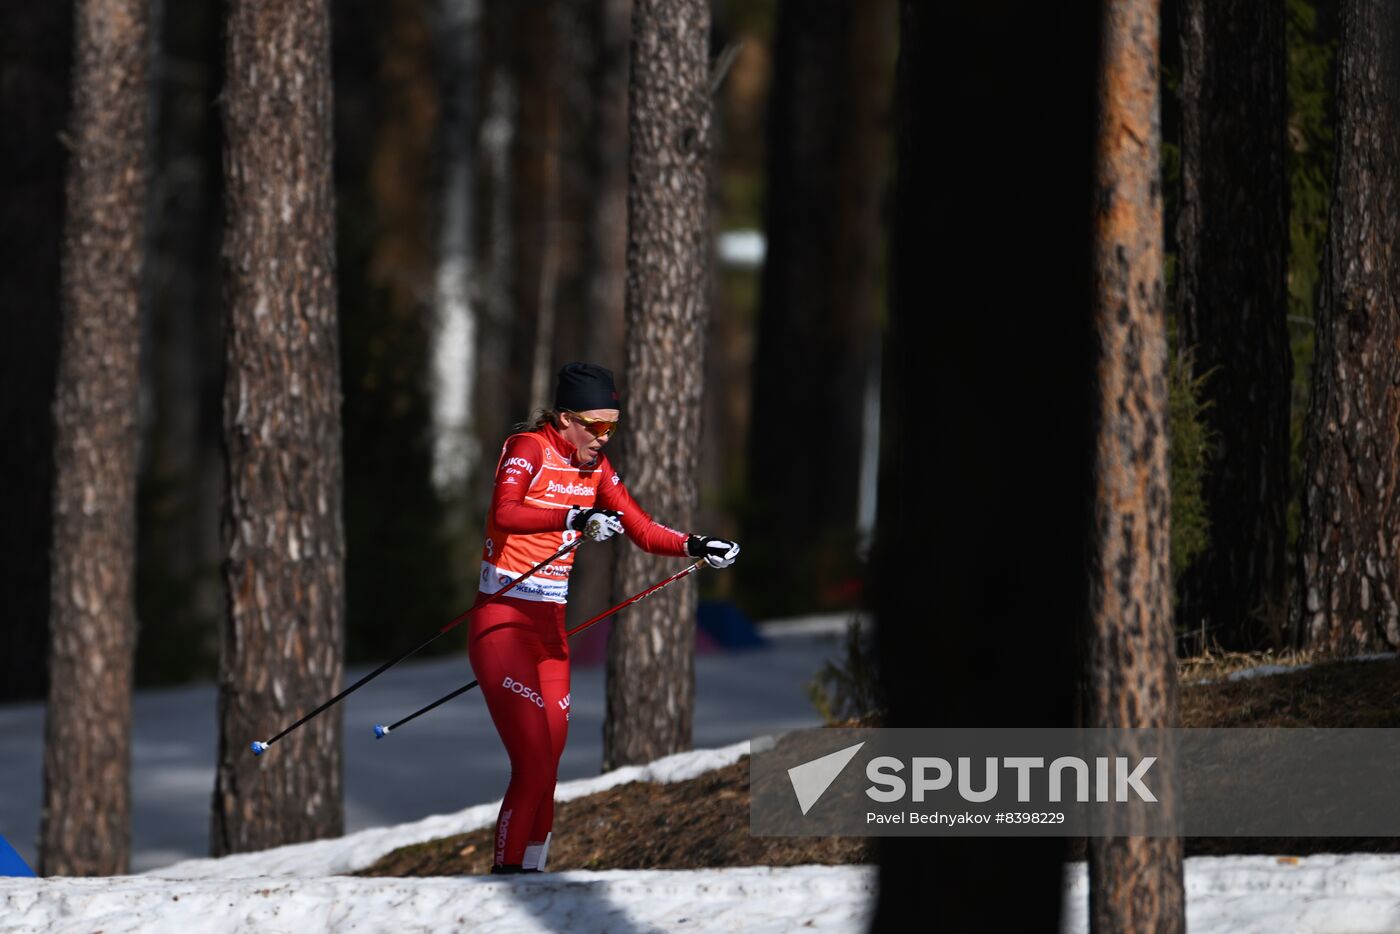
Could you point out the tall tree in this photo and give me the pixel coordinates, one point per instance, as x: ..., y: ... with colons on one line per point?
x: 987, y: 353
x: 1135, y: 883
x: 179, y: 589
x: 282, y: 638
x: 388, y: 187
x: 827, y: 145
x: 651, y: 652
x: 591, y: 71
x: 1348, y: 594
x: 35, y: 61
x: 86, y: 823
x: 1233, y: 255
x: 517, y: 218
x: 593, y: 222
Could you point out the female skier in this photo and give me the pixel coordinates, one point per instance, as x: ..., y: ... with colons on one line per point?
x: 552, y: 485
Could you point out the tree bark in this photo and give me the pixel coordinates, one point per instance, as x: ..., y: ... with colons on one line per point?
x: 179, y: 590
x: 1135, y: 883
x: 593, y: 226
x: 396, y: 559
x: 86, y: 822
x: 982, y: 546
x: 36, y: 51
x: 1233, y: 256
x: 827, y: 145
x: 282, y: 639
x: 517, y: 220
x: 651, y: 650
x: 1349, y: 542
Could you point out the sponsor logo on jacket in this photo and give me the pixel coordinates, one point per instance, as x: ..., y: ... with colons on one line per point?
x: 569, y: 489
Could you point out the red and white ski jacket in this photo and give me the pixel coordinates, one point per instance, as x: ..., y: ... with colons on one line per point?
x: 537, y: 483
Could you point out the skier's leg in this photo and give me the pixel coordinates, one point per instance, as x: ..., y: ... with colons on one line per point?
x: 505, y: 659
x: 554, y: 685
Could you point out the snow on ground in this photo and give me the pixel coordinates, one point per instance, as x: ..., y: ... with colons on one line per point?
x: 1353, y: 893
x: 750, y: 899
x: 360, y: 850
x: 436, y: 765
x: 1239, y: 895
x: 299, y: 889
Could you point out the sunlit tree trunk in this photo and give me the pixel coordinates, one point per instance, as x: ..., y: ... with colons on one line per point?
x: 86, y: 821
x: 1347, y: 599
x: 1135, y: 883
x: 651, y: 652
x: 282, y: 638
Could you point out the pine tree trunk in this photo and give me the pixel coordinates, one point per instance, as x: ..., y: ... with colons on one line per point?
x: 536, y: 199
x: 33, y: 108
x: 282, y: 639
x: 86, y: 824
x: 978, y: 573
x: 517, y: 221
x: 396, y: 563
x: 593, y: 227
x: 1349, y: 542
x: 180, y: 495
x: 651, y: 652
x: 816, y: 334
x: 1233, y: 255
x: 494, y: 243
x: 1135, y: 883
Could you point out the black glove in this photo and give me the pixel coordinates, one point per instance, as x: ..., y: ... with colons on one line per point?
x: 595, y: 522
x: 719, y: 552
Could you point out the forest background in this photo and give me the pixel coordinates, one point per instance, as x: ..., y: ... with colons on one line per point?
x: 434, y: 112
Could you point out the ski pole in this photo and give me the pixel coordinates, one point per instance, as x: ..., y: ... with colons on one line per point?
x: 381, y: 731
x: 261, y: 747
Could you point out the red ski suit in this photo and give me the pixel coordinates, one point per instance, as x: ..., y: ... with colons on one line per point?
x: 516, y: 644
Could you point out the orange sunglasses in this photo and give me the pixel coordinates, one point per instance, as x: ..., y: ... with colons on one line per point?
x: 597, y: 427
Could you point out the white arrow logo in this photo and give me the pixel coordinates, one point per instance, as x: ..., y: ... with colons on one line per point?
x: 810, y: 780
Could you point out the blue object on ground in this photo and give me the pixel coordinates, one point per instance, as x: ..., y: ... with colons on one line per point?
x: 11, y: 864
x: 729, y: 626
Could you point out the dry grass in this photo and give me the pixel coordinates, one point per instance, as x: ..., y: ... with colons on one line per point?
x: 1213, y: 666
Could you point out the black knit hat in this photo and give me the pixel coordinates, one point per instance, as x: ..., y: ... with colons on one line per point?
x: 585, y: 386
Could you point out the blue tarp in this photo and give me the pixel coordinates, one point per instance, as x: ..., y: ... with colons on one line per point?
x: 729, y: 626
x: 10, y: 862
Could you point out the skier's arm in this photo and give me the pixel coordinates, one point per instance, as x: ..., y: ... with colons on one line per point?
x: 520, y: 464
x: 640, y: 528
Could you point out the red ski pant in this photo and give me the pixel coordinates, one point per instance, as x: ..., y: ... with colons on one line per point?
x: 521, y: 658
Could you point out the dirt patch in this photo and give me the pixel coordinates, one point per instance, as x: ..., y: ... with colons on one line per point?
x: 695, y: 824
x: 1330, y: 694
x: 704, y: 822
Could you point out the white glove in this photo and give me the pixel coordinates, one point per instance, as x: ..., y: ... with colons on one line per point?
x: 594, y: 522
x: 717, y: 552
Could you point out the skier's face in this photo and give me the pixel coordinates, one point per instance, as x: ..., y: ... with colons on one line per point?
x: 588, y: 431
